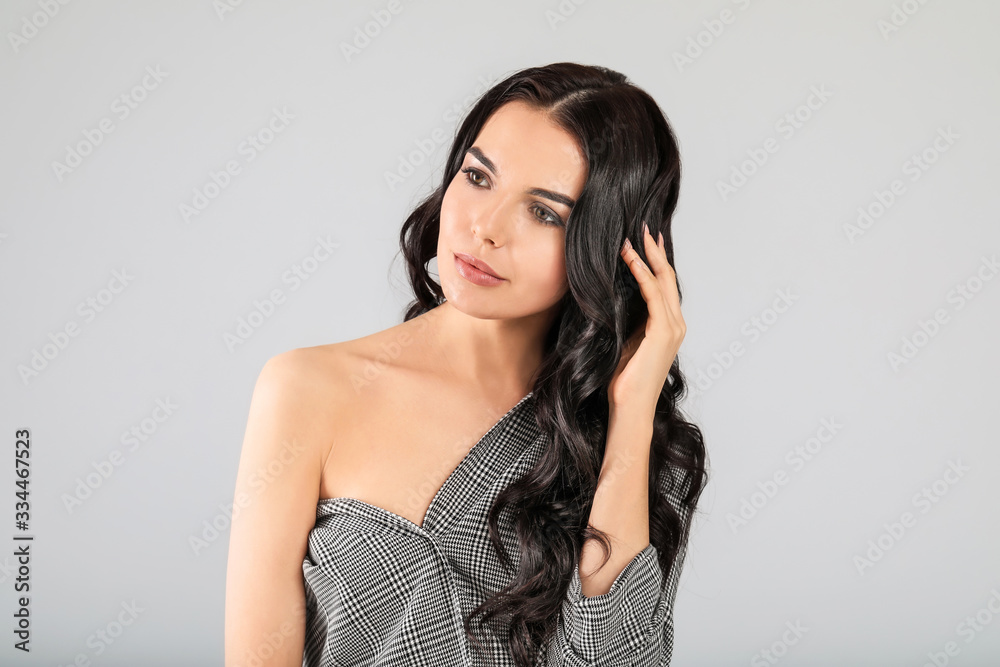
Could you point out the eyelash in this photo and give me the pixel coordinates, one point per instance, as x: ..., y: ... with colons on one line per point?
x: 555, y: 221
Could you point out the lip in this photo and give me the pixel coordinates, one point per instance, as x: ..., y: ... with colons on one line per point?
x: 476, y: 270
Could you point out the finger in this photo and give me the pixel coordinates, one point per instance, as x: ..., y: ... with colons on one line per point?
x: 664, y: 274
x: 649, y: 286
x: 657, y: 254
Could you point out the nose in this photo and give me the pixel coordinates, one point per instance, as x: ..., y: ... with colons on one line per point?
x: 486, y: 237
x: 491, y: 224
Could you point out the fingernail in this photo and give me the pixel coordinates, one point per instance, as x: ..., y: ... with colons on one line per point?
x: 645, y: 228
x: 661, y: 238
x: 627, y: 246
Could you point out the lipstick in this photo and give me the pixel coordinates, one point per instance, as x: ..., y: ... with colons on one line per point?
x: 474, y: 274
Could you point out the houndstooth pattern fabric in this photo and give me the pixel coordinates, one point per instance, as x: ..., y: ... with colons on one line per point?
x: 383, y: 591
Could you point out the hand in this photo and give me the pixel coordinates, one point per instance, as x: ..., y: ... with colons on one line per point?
x: 650, y: 351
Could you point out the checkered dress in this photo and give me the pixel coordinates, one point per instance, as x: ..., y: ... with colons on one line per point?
x: 381, y: 590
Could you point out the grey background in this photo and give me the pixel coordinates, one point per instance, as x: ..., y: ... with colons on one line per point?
x: 355, y: 120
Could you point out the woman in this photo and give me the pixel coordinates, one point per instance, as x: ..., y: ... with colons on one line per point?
x: 371, y: 533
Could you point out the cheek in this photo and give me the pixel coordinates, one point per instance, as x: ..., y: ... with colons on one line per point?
x: 446, y: 223
x: 452, y: 205
x: 547, y: 264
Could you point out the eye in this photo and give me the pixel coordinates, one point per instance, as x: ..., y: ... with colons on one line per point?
x: 549, y: 218
x: 552, y: 218
x: 470, y: 173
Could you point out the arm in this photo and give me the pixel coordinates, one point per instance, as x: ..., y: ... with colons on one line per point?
x: 621, y: 501
x: 277, y: 489
x: 621, y: 614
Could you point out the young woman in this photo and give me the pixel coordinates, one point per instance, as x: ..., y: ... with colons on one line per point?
x: 505, y: 477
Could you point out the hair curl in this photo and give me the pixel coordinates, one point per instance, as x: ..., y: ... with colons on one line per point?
x: 633, y: 176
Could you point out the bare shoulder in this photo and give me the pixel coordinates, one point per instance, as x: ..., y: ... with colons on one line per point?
x: 354, y: 367
x: 309, y: 383
x: 277, y: 487
x: 306, y: 369
x: 329, y: 381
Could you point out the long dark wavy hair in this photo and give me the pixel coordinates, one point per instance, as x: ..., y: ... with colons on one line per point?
x: 633, y: 176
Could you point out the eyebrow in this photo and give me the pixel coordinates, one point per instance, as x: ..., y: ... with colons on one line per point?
x: 538, y: 192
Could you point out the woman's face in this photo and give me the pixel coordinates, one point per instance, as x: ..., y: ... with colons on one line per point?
x: 507, y: 206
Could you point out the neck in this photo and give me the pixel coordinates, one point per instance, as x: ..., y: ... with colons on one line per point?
x: 500, y: 356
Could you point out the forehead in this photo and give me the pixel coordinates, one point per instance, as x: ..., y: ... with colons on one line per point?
x: 524, y: 142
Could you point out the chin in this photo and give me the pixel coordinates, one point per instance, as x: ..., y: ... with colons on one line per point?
x: 482, y: 302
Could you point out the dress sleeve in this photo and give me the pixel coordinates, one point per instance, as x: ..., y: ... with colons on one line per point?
x: 632, y: 625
